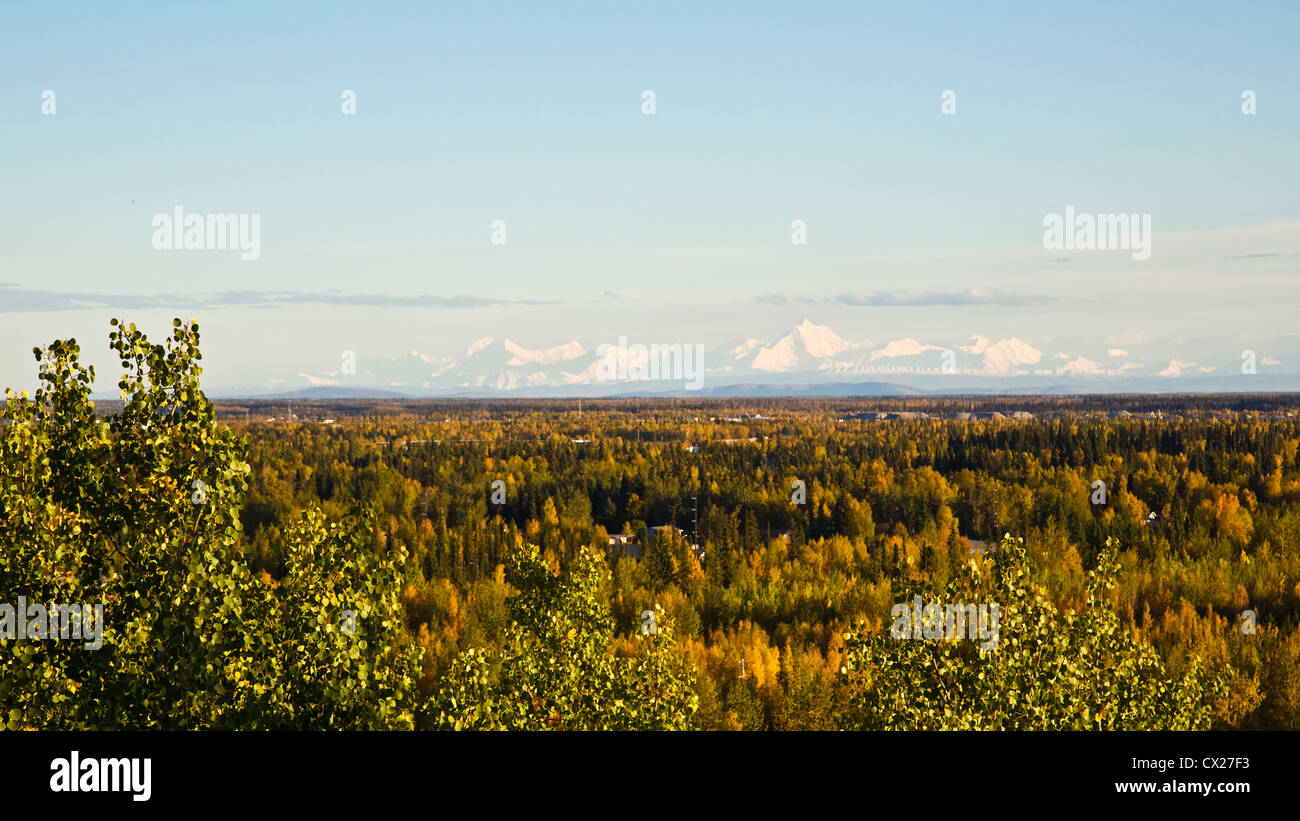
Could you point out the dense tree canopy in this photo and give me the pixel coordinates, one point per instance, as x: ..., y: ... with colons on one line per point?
x: 139, y: 511
x: 1040, y: 669
x: 451, y: 564
x: 555, y: 668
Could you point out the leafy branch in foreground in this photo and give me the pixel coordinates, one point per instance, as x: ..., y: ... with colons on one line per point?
x: 555, y: 668
x: 1048, y: 670
x: 139, y: 512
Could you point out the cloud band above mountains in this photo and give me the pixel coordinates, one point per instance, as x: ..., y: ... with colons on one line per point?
x: 24, y: 300
x: 968, y: 296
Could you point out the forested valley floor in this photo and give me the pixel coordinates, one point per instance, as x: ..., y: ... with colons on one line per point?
x: 1202, y: 497
x: 643, y: 564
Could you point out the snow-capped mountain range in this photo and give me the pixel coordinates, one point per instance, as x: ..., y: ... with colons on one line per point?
x: 808, y: 359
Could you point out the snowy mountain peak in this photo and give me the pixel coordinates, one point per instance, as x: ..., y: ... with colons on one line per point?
x: 1082, y: 366
x: 902, y: 347
x: 745, y: 348
x: 547, y: 356
x: 1005, y: 354
x: 808, y: 346
x: 820, y: 340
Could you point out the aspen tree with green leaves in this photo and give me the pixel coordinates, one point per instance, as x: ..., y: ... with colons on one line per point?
x: 555, y: 668
x: 140, y: 511
x: 1048, y: 670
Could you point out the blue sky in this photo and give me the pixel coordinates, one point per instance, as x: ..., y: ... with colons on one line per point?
x: 626, y: 223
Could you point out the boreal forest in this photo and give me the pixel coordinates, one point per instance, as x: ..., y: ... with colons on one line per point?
x: 674, y: 563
